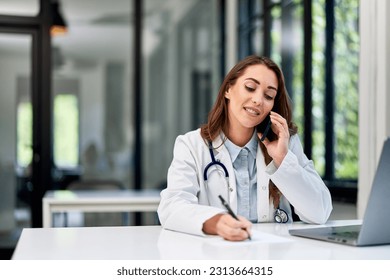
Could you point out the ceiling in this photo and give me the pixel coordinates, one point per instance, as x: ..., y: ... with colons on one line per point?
x: 95, y: 24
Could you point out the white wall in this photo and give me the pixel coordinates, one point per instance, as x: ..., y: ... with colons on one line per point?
x: 92, y: 111
x: 91, y: 84
x: 374, y: 91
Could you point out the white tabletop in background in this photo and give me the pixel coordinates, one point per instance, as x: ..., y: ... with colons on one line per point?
x: 98, y: 201
x: 85, y: 196
x: 153, y: 242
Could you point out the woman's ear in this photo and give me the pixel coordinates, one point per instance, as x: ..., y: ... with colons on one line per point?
x: 227, y: 93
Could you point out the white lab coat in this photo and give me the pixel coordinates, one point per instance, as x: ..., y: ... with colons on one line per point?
x: 187, y: 203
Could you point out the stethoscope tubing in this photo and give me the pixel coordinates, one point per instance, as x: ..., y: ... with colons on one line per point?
x: 280, y: 215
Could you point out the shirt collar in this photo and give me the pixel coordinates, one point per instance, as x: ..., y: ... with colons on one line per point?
x: 234, y: 150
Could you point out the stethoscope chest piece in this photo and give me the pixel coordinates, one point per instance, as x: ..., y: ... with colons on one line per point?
x: 280, y: 216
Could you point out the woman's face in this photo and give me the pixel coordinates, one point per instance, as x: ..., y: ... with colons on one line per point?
x: 252, y: 97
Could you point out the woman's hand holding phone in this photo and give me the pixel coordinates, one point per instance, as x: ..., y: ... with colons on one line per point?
x: 277, y: 148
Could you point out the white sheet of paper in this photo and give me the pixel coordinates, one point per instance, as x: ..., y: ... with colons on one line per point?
x: 256, y: 237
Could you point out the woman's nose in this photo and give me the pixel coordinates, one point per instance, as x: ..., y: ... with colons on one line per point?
x: 257, y: 99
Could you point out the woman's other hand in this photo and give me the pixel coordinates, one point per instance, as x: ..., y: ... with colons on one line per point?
x: 227, y: 227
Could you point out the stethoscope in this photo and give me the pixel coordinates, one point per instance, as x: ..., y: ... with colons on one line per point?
x: 280, y: 215
x: 218, y: 163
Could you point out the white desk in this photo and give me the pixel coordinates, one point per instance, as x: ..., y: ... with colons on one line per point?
x: 98, y: 201
x: 154, y: 243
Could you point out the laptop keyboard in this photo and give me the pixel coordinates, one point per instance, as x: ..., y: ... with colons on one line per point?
x: 347, y: 234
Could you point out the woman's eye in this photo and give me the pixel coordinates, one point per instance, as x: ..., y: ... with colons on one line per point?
x: 269, y: 95
x: 251, y: 89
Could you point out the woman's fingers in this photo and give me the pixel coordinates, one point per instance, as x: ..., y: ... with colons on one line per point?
x: 279, y: 125
x: 231, y: 229
x: 278, y: 148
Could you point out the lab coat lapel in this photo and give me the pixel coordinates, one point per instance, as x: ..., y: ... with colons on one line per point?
x: 263, y: 203
x: 222, y: 154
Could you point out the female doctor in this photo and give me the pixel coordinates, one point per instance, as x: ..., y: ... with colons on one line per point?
x: 225, y: 157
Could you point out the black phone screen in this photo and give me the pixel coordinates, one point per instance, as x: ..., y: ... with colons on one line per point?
x: 265, y: 128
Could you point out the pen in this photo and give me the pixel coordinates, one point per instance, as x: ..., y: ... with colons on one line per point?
x: 230, y: 211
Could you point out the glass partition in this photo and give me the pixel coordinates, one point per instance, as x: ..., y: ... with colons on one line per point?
x: 16, y: 135
x: 19, y: 7
x: 92, y: 93
x: 181, y: 76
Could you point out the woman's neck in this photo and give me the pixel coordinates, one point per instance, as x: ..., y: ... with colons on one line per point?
x: 240, y: 137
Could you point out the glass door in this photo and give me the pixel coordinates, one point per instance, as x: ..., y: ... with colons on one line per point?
x: 16, y: 136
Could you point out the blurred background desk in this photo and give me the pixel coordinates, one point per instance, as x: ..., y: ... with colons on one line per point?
x: 98, y: 201
x: 154, y: 243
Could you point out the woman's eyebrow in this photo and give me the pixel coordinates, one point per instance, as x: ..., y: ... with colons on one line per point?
x: 254, y: 80
x: 257, y: 82
x: 274, y: 88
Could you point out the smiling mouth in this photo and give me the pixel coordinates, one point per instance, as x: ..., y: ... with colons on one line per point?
x: 252, y: 111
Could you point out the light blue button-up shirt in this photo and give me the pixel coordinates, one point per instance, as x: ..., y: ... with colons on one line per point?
x: 245, y: 171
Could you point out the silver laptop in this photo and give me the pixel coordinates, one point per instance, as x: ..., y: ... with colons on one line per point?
x: 375, y: 229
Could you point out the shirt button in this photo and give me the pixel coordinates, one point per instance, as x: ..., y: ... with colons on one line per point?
x: 264, y: 188
x: 264, y: 216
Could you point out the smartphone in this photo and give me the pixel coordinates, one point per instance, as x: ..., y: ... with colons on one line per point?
x: 265, y: 128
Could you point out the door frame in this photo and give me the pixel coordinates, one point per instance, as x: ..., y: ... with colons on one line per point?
x: 39, y: 28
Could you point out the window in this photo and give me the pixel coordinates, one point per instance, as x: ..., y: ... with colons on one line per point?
x: 316, y: 43
x: 66, y: 119
x: 24, y: 134
x: 66, y: 125
x: 346, y: 88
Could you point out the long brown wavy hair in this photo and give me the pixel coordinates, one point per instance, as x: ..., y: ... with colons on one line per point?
x: 218, y: 116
